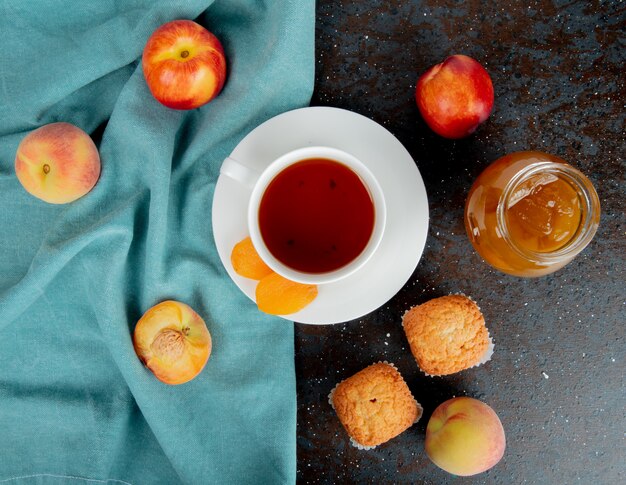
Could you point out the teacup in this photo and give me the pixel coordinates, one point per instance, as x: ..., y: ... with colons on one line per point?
x: 316, y: 214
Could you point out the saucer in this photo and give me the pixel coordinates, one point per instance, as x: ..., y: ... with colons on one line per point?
x: 405, y: 195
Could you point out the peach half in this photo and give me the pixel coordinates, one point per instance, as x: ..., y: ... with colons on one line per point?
x: 57, y: 163
x: 173, y: 341
x: 464, y: 436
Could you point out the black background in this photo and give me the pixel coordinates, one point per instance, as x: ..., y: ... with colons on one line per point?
x: 557, y: 376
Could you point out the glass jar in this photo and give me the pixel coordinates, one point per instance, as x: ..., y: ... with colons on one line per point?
x: 530, y: 213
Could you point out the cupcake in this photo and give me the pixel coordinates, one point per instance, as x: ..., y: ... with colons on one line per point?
x: 447, y: 335
x: 374, y: 405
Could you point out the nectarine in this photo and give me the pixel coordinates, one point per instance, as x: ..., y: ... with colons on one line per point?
x: 173, y: 341
x: 454, y: 97
x: 57, y: 163
x: 184, y: 65
x: 464, y: 437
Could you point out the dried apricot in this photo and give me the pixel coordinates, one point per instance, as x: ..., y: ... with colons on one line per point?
x: 247, y: 262
x: 279, y: 296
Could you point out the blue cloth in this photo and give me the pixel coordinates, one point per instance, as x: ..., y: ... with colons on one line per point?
x: 76, y: 404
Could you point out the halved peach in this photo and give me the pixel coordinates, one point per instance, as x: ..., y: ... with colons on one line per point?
x: 173, y: 341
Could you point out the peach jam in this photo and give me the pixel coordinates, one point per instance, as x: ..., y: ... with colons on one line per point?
x: 530, y: 213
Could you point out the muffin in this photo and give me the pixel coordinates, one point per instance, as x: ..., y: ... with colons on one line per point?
x: 375, y: 405
x: 447, y: 335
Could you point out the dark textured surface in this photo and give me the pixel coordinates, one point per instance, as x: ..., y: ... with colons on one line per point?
x: 557, y: 377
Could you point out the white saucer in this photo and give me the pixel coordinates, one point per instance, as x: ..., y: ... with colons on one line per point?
x: 407, y: 206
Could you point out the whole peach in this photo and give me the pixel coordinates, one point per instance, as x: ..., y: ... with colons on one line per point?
x: 464, y: 436
x: 184, y: 65
x: 454, y: 97
x: 57, y: 163
x: 173, y: 341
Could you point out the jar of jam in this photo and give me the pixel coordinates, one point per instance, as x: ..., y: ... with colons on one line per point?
x: 530, y: 213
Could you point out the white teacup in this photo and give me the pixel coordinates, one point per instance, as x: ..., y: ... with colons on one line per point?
x: 259, y: 182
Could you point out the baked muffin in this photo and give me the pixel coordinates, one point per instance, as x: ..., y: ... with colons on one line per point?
x: 375, y: 405
x: 447, y: 335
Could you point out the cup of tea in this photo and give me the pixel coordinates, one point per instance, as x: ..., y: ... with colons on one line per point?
x: 316, y: 214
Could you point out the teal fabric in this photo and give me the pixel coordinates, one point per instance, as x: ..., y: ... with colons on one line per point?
x: 76, y: 405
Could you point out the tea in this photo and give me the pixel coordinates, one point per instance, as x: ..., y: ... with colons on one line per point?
x: 316, y: 216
